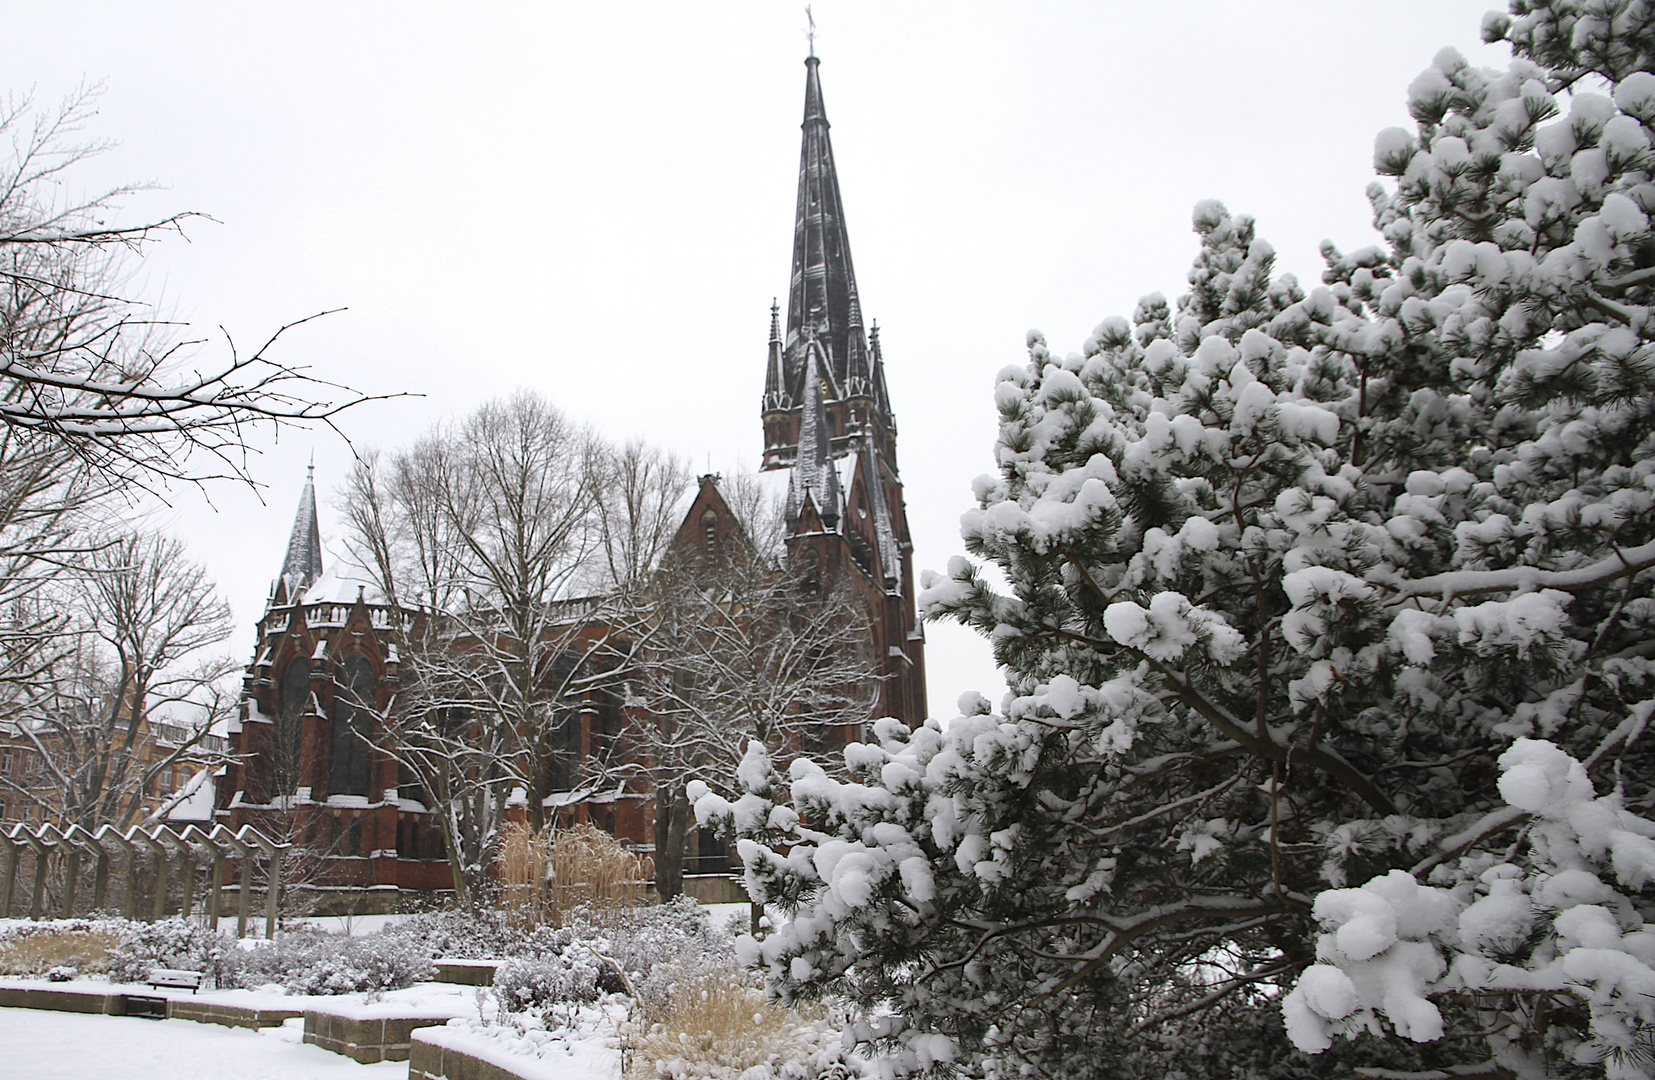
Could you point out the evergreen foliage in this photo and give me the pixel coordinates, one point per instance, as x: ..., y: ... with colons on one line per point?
x: 1305, y: 589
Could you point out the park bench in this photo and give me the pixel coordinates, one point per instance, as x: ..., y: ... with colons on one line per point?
x: 176, y: 980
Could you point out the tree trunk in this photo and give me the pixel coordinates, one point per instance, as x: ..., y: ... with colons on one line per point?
x: 456, y: 858
x: 672, y: 829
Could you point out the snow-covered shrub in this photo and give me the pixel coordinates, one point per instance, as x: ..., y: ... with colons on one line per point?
x: 477, y: 934
x: 310, y: 962
x: 1288, y: 570
x: 661, y: 946
x: 1562, y: 925
x: 534, y: 983
x: 488, y: 933
x: 174, y: 943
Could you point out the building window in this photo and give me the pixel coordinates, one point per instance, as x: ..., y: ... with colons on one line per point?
x: 352, y: 727
x: 290, y: 711
x: 810, y: 579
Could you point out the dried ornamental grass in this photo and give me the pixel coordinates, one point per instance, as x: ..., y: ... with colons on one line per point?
x: 523, y: 857
x: 591, y: 868
x: 35, y: 954
x: 718, y: 1028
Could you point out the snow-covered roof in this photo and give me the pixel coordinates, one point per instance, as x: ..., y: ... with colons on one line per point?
x: 198, y: 804
x: 340, y: 586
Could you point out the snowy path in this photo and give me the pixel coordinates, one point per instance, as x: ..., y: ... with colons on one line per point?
x: 39, y: 1045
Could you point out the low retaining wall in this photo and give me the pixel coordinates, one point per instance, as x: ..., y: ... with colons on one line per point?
x: 105, y: 1002
x: 465, y: 972
x: 208, y: 1012
x: 365, y: 1039
x: 433, y: 1061
x: 707, y: 888
x: 113, y: 1003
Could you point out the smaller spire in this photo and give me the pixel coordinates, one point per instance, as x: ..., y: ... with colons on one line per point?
x: 303, y: 563
x: 775, y: 376
x: 881, y: 395
x: 814, y: 477
x: 890, y: 558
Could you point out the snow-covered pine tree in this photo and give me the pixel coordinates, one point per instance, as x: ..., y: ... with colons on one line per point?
x: 1304, y: 590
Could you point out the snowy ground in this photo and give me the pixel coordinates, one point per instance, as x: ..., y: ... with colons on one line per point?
x: 39, y: 1045
x: 732, y: 916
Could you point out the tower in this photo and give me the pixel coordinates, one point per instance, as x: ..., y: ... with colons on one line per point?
x: 306, y: 756
x: 828, y: 421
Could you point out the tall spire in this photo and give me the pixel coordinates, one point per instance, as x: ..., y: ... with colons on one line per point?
x: 824, y: 313
x: 822, y: 291
x: 303, y: 564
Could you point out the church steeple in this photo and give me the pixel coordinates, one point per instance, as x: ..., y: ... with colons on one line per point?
x: 822, y: 291
x: 822, y: 305
x: 303, y: 564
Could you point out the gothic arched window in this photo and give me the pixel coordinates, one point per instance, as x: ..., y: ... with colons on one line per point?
x: 290, y: 711
x: 352, y: 726
x: 810, y: 580
x: 709, y: 525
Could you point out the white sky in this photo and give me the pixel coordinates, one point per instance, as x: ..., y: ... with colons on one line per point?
x: 595, y: 200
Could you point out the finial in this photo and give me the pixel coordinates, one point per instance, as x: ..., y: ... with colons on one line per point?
x: 811, y: 33
x: 775, y: 320
x: 312, y: 474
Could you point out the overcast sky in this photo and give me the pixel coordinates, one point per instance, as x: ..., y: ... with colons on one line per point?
x: 595, y: 200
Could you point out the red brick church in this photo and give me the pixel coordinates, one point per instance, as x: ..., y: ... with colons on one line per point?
x: 302, y: 754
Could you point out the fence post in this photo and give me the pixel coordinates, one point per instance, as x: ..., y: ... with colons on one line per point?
x: 124, y: 840
x: 180, y: 840
x: 12, y: 855
x: 72, y: 849
x: 37, y: 844
x: 246, y: 892
x: 273, y: 893
x: 100, y: 878
x: 158, y: 909
x: 213, y: 897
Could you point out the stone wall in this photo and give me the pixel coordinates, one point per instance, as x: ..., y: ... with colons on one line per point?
x: 365, y: 1039
x: 429, y: 1061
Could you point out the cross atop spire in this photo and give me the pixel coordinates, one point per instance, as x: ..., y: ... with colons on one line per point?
x: 811, y: 33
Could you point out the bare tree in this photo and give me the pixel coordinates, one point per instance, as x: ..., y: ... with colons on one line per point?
x: 638, y: 515
x: 742, y: 649
x: 499, y: 529
x: 101, y: 399
x: 127, y: 692
x: 94, y: 374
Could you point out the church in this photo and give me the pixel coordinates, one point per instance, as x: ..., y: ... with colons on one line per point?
x: 308, y: 765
